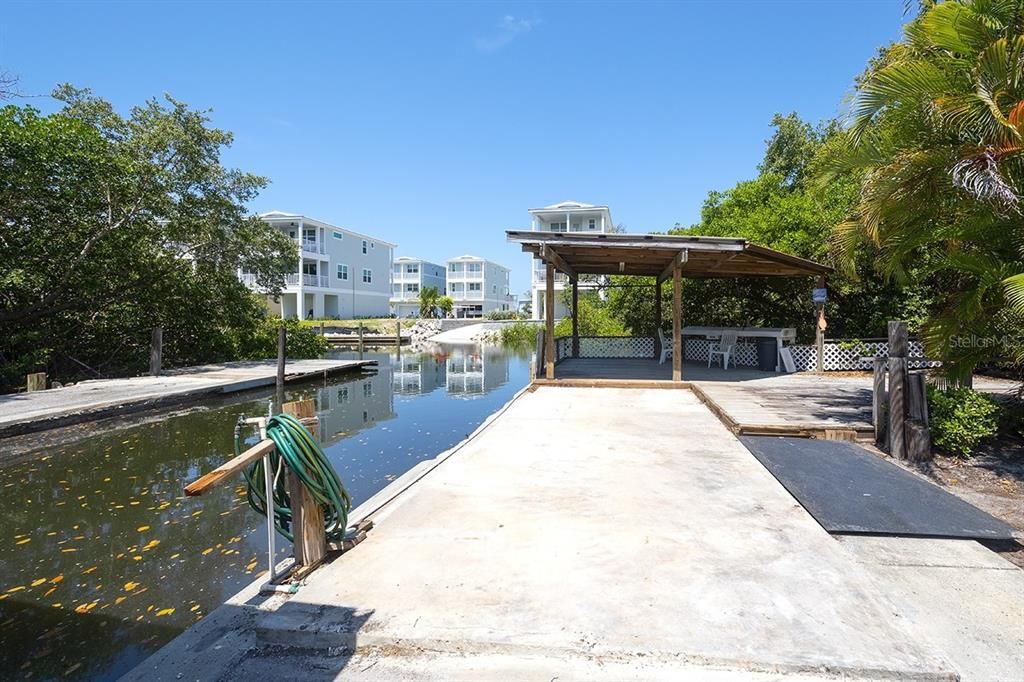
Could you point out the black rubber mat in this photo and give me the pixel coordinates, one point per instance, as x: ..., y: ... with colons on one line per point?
x: 849, y: 490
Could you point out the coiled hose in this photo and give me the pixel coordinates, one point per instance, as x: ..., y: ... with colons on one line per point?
x: 298, y: 450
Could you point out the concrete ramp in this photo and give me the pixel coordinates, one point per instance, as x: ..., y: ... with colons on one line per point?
x: 594, y: 527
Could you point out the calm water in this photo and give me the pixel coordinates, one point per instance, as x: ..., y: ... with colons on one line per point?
x: 102, y: 558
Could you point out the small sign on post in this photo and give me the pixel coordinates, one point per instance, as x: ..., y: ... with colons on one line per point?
x: 819, y: 296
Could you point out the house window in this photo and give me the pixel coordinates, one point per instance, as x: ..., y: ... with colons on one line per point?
x: 367, y: 276
x: 309, y: 268
x: 309, y: 234
x: 592, y: 224
x: 343, y: 394
x: 364, y: 246
x: 452, y: 267
x: 413, y: 269
x: 558, y: 227
x: 367, y: 389
x: 342, y: 271
x: 494, y: 289
x: 575, y: 227
x: 475, y: 268
x: 412, y: 288
x: 339, y: 235
x: 475, y: 286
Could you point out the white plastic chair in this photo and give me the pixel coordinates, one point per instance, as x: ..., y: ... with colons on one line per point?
x: 666, y: 347
x: 725, y: 347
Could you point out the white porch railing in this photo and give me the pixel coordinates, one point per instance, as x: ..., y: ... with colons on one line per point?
x: 307, y: 280
x: 312, y: 246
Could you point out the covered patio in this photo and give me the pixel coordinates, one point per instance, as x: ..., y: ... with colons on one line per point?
x: 668, y: 259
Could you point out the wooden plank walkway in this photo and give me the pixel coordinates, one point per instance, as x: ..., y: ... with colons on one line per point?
x: 87, y: 400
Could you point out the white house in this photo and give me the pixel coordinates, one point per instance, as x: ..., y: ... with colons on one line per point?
x: 341, y: 275
x: 568, y: 216
x: 478, y: 286
x: 409, y: 277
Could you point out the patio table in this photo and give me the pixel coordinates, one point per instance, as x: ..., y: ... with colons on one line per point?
x: 780, y: 334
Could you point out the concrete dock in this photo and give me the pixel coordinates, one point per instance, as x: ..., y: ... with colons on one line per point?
x: 28, y: 412
x: 606, y: 534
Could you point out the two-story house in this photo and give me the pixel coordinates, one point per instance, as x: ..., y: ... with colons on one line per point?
x: 568, y: 216
x: 478, y: 286
x: 341, y: 274
x: 409, y: 277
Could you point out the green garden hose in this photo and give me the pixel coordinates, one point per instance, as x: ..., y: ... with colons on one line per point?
x: 299, y: 451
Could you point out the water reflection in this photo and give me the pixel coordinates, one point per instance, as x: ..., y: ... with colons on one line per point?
x: 102, y: 559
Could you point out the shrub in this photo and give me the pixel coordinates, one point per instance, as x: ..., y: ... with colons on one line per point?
x: 304, y: 341
x: 595, y: 320
x: 961, y: 419
x: 519, y: 334
x: 502, y: 315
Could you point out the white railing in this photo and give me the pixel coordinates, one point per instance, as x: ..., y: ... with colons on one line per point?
x: 307, y: 280
x: 311, y: 246
x: 248, y: 279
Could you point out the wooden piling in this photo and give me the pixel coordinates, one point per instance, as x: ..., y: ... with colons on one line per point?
x: 897, y: 389
x: 156, y: 350
x: 282, y: 346
x: 879, y: 399
x: 35, y: 381
x: 918, y: 436
x: 360, y: 340
x: 308, y: 535
x: 398, y: 337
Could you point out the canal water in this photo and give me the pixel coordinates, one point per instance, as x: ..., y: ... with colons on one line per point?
x: 102, y: 558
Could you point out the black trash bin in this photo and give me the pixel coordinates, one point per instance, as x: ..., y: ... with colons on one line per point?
x: 767, y: 349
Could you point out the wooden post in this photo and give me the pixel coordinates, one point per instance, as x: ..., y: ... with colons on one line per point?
x: 282, y: 345
x: 657, y: 318
x: 549, y: 322
x: 35, y: 382
x: 897, y: 388
x: 308, y: 536
x: 677, y: 321
x: 879, y: 399
x: 539, y: 354
x: 156, y: 350
x: 360, y: 340
x: 321, y: 328
x: 918, y: 437
x: 398, y: 337
x: 819, y: 331
x: 575, y: 318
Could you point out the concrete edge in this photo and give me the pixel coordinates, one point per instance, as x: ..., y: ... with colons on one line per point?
x: 117, y: 409
x: 355, y: 642
x: 240, y: 612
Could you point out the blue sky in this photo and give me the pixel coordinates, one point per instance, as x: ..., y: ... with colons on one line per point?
x: 436, y: 126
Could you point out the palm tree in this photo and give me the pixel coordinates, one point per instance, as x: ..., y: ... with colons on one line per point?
x: 937, y: 136
x: 428, y: 301
x: 446, y: 304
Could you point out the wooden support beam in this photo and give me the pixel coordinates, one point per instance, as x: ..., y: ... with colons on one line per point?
x: 918, y: 436
x: 657, y: 319
x: 819, y: 331
x: 677, y: 262
x: 551, y: 257
x: 549, y: 322
x: 232, y: 466
x: 575, y: 319
x: 677, y: 320
x: 282, y: 345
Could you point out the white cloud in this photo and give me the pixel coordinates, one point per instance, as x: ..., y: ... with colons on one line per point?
x: 509, y: 28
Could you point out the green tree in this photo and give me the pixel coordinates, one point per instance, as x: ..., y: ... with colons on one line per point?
x: 446, y: 304
x: 113, y: 225
x: 937, y: 141
x: 780, y: 209
x: 429, y: 299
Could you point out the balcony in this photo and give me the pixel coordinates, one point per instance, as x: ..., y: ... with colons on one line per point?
x: 292, y: 280
x: 311, y: 246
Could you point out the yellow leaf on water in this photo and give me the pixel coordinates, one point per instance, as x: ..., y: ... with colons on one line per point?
x: 69, y: 549
x: 55, y: 604
x: 194, y: 608
x: 50, y: 591
x: 150, y: 545
x: 129, y: 586
x: 22, y: 542
x: 86, y: 608
x: 165, y: 612
x: 89, y: 570
x: 207, y: 551
x: 118, y: 600
x: 38, y: 581
x: 57, y: 579
x: 142, y: 529
x: 16, y: 589
x: 250, y: 566
x: 137, y: 557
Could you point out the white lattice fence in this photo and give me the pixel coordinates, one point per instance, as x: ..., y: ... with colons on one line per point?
x: 616, y: 346
x: 563, y: 347
x: 854, y: 355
